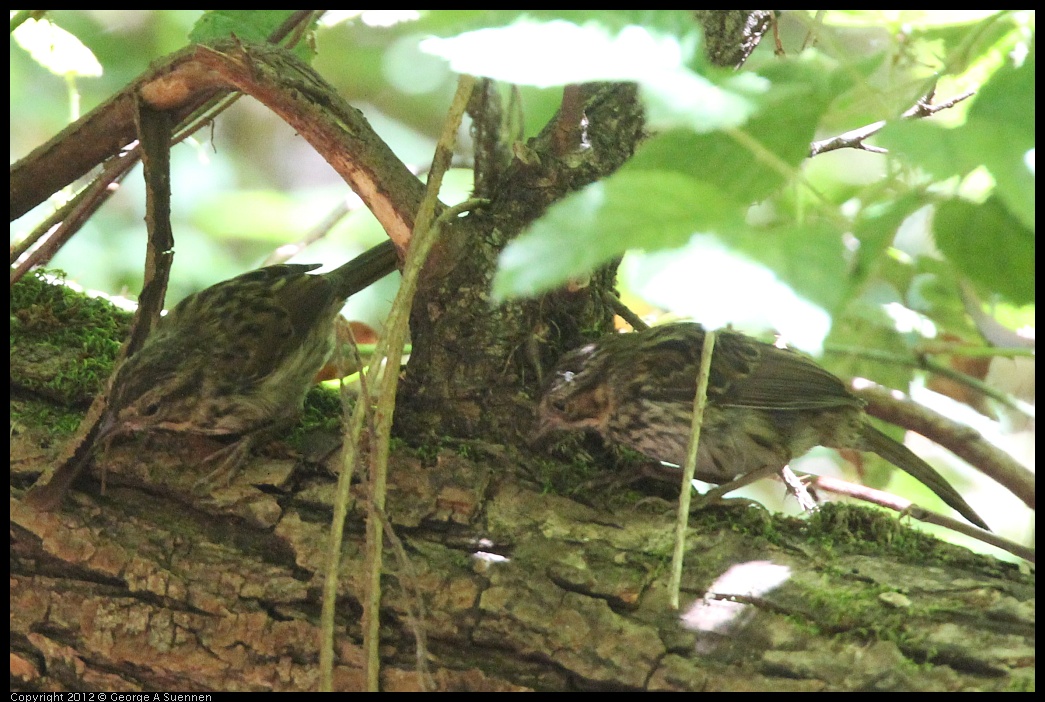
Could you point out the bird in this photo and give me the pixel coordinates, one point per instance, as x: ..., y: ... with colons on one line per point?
x: 765, y: 405
x: 234, y: 360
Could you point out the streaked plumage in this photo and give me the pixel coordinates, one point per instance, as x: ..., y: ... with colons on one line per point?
x: 766, y: 405
x: 238, y: 357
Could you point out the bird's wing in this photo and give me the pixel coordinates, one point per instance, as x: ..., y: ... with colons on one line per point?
x: 744, y: 372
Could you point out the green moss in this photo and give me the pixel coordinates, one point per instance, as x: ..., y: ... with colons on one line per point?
x: 62, y: 343
x: 322, y: 405
x: 428, y: 451
x: 322, y: 412
x: 34, y: 413
x: 856, y: 611
x: 843, y: 528
x: 560, y: 478
x: 1021, y: 682
x: 761, y: 523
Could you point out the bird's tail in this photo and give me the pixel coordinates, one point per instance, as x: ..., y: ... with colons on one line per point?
x: 903, y: 458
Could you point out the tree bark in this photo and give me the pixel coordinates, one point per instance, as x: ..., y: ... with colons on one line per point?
x: 149, y: 588
x: 475, y: 366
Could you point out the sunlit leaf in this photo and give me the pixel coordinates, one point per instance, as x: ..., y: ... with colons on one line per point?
x: 633, y: 209
x: 791, y: 100
x: 998, y: 135
x: 558, y: 52
x: 56, y: 49
x: 1001, y: 129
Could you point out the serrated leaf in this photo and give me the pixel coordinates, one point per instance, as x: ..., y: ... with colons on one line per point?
x: 808, y: 256
x: 682, y: 98
x: 713, y: 280
x: 679, y: 183
x: 545, y: 54
x: 1001, y: 129
x: 558, y: 52
x: 791, y: 278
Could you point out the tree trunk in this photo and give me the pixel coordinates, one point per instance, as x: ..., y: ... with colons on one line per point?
x: 508, y: 587
x: 475, y: 366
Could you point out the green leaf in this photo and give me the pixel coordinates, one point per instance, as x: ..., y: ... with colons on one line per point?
x: 876, y: 228
x: 791, y: 278
x: 715, y: 158
x: 682, y: 98
x: 989, y: 245
x: 558, y: 52
x: 998, y: 135
x: 679, y: 183
x: 866, y: 326
x: 1001, y: 133
x: 250, y: 26
x: 775, y: 140
x: 632, y: 209
x: 747, y: 279
x: 808, y: 256
x: 940, y: 151
x: 931, y: 292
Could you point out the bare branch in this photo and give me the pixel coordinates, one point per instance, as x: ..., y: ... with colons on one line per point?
x: 962, y: 440
x: 854, y: 139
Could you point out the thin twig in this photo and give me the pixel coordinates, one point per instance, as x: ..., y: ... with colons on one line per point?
x: 962, y: 440
x: 686, y: 490
x: 854, y: 139
x: 813, y: 30
x: 390, y: 346
x: 928, y: 364
x: 73, y: 215
x: 416, y: 615
x: 623, y: 311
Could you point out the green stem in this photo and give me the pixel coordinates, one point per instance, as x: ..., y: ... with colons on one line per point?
x: 685, y: 494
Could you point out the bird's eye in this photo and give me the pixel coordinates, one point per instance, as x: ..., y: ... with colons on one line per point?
x: 559, y: 406
x: 151, y: 409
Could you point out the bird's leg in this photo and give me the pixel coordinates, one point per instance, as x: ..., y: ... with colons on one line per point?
x: 231, y: 458
x: 797, y: 487
x: 715, y: 494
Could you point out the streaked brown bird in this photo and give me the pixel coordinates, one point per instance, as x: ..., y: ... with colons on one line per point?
x: 233, y: 360
x: 766, y: 405
x: 238, y: 357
